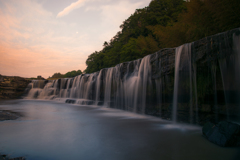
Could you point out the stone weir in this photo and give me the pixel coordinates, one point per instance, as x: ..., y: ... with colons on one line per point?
x: 193, y: 83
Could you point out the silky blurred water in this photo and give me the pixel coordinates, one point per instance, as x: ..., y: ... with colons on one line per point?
x: 52, y: 130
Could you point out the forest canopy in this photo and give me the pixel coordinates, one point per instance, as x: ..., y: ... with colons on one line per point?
x: 73, y: 73
x: 165, y: 24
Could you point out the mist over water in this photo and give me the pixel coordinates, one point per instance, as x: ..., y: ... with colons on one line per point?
x: 53, y: 130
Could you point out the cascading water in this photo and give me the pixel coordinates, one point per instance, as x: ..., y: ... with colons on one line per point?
x: 64, y: 87
x: 37, y: 86
x: 141, y: 86
x: 175, y: 92
x: 47, y: 90
x: 184, y: 85
x: 108, y: 85
x: 98, y: 84
x: 126, y: 87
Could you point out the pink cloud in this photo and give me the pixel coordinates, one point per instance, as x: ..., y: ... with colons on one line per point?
x: 70, y: 8
x: 29, y: 63
x: 33, y: 43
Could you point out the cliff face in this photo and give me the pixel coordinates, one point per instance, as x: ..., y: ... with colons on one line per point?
x: 12, y: 87
x: 204, y: 52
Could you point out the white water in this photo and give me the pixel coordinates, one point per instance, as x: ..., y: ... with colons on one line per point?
x: 108, y: 85
x: 176, y: 80
x: 98, y: 84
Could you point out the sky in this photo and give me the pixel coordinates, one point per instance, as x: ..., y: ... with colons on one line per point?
x: 43, y: 37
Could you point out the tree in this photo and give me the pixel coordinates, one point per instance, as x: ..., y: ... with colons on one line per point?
x: 70, y: 74
x: 165, y: 24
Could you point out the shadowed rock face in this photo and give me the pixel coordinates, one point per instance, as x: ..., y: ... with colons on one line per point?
x: 225, y: 134
x: 204, y: 51
x: 12, y: 87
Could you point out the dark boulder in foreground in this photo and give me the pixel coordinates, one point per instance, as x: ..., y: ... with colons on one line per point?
x: 225, y: 134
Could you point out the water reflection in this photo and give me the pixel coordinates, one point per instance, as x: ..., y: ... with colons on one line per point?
x: 53, y: 130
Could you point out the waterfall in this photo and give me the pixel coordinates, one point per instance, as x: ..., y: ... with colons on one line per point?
x: 98, y: 84
x: 184, y: 84
x: 108, y: 85
x: 64, y: 87
x: 176, y: 80
x: 141, y: 85
x: 37, y: 86
x: 126, y: 89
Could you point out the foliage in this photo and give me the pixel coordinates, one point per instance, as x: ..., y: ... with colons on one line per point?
x: 73, y: 74
x: 165, y: 24
x: 201, y: 19
x: 57, y: 75
x: 67, y: 75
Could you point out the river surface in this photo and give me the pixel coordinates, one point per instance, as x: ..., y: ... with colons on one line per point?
x: 51, y: 130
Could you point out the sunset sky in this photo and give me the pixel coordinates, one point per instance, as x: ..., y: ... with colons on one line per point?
x: 42, y: 37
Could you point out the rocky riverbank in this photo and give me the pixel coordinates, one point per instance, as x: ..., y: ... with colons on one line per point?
x: 12, y: 87
x: 5, y: 157
x: 9, y: 115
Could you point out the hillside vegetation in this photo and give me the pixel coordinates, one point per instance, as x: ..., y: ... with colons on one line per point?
x: 165, y: 24
x: 66, y: 75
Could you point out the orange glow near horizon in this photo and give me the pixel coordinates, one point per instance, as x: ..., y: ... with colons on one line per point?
x: 44, y: 37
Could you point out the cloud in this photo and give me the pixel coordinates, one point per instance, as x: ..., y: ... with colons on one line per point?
x: 34, y: 42
x: 112, y: 16
x: 70, y: 8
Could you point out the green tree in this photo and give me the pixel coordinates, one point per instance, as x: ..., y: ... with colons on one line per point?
x: 57, y: 75
x: 165, y: 24
x: 70, y: 74
x: 73, y: 73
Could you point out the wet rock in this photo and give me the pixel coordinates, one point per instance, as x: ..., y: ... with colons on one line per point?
x: 12, y: 87
x: 225, y: 134
x: 9, y: 115
x: 6, y: 157
x: 86, y: 102
x: 100, y: 103
x: 72, y: 101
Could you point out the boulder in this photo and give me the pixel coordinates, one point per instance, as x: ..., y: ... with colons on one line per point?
x: 72, y: 101
x: 225, y: 134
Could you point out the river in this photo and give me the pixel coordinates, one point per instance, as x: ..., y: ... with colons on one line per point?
x: 51, y: 130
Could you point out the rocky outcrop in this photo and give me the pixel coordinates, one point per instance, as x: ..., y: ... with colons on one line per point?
x: 12, y: 87
x: 224, y: 134
x: 6, y: 157
x: 212, y: 64
x: 9, y: 115
x: 204, y: 51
